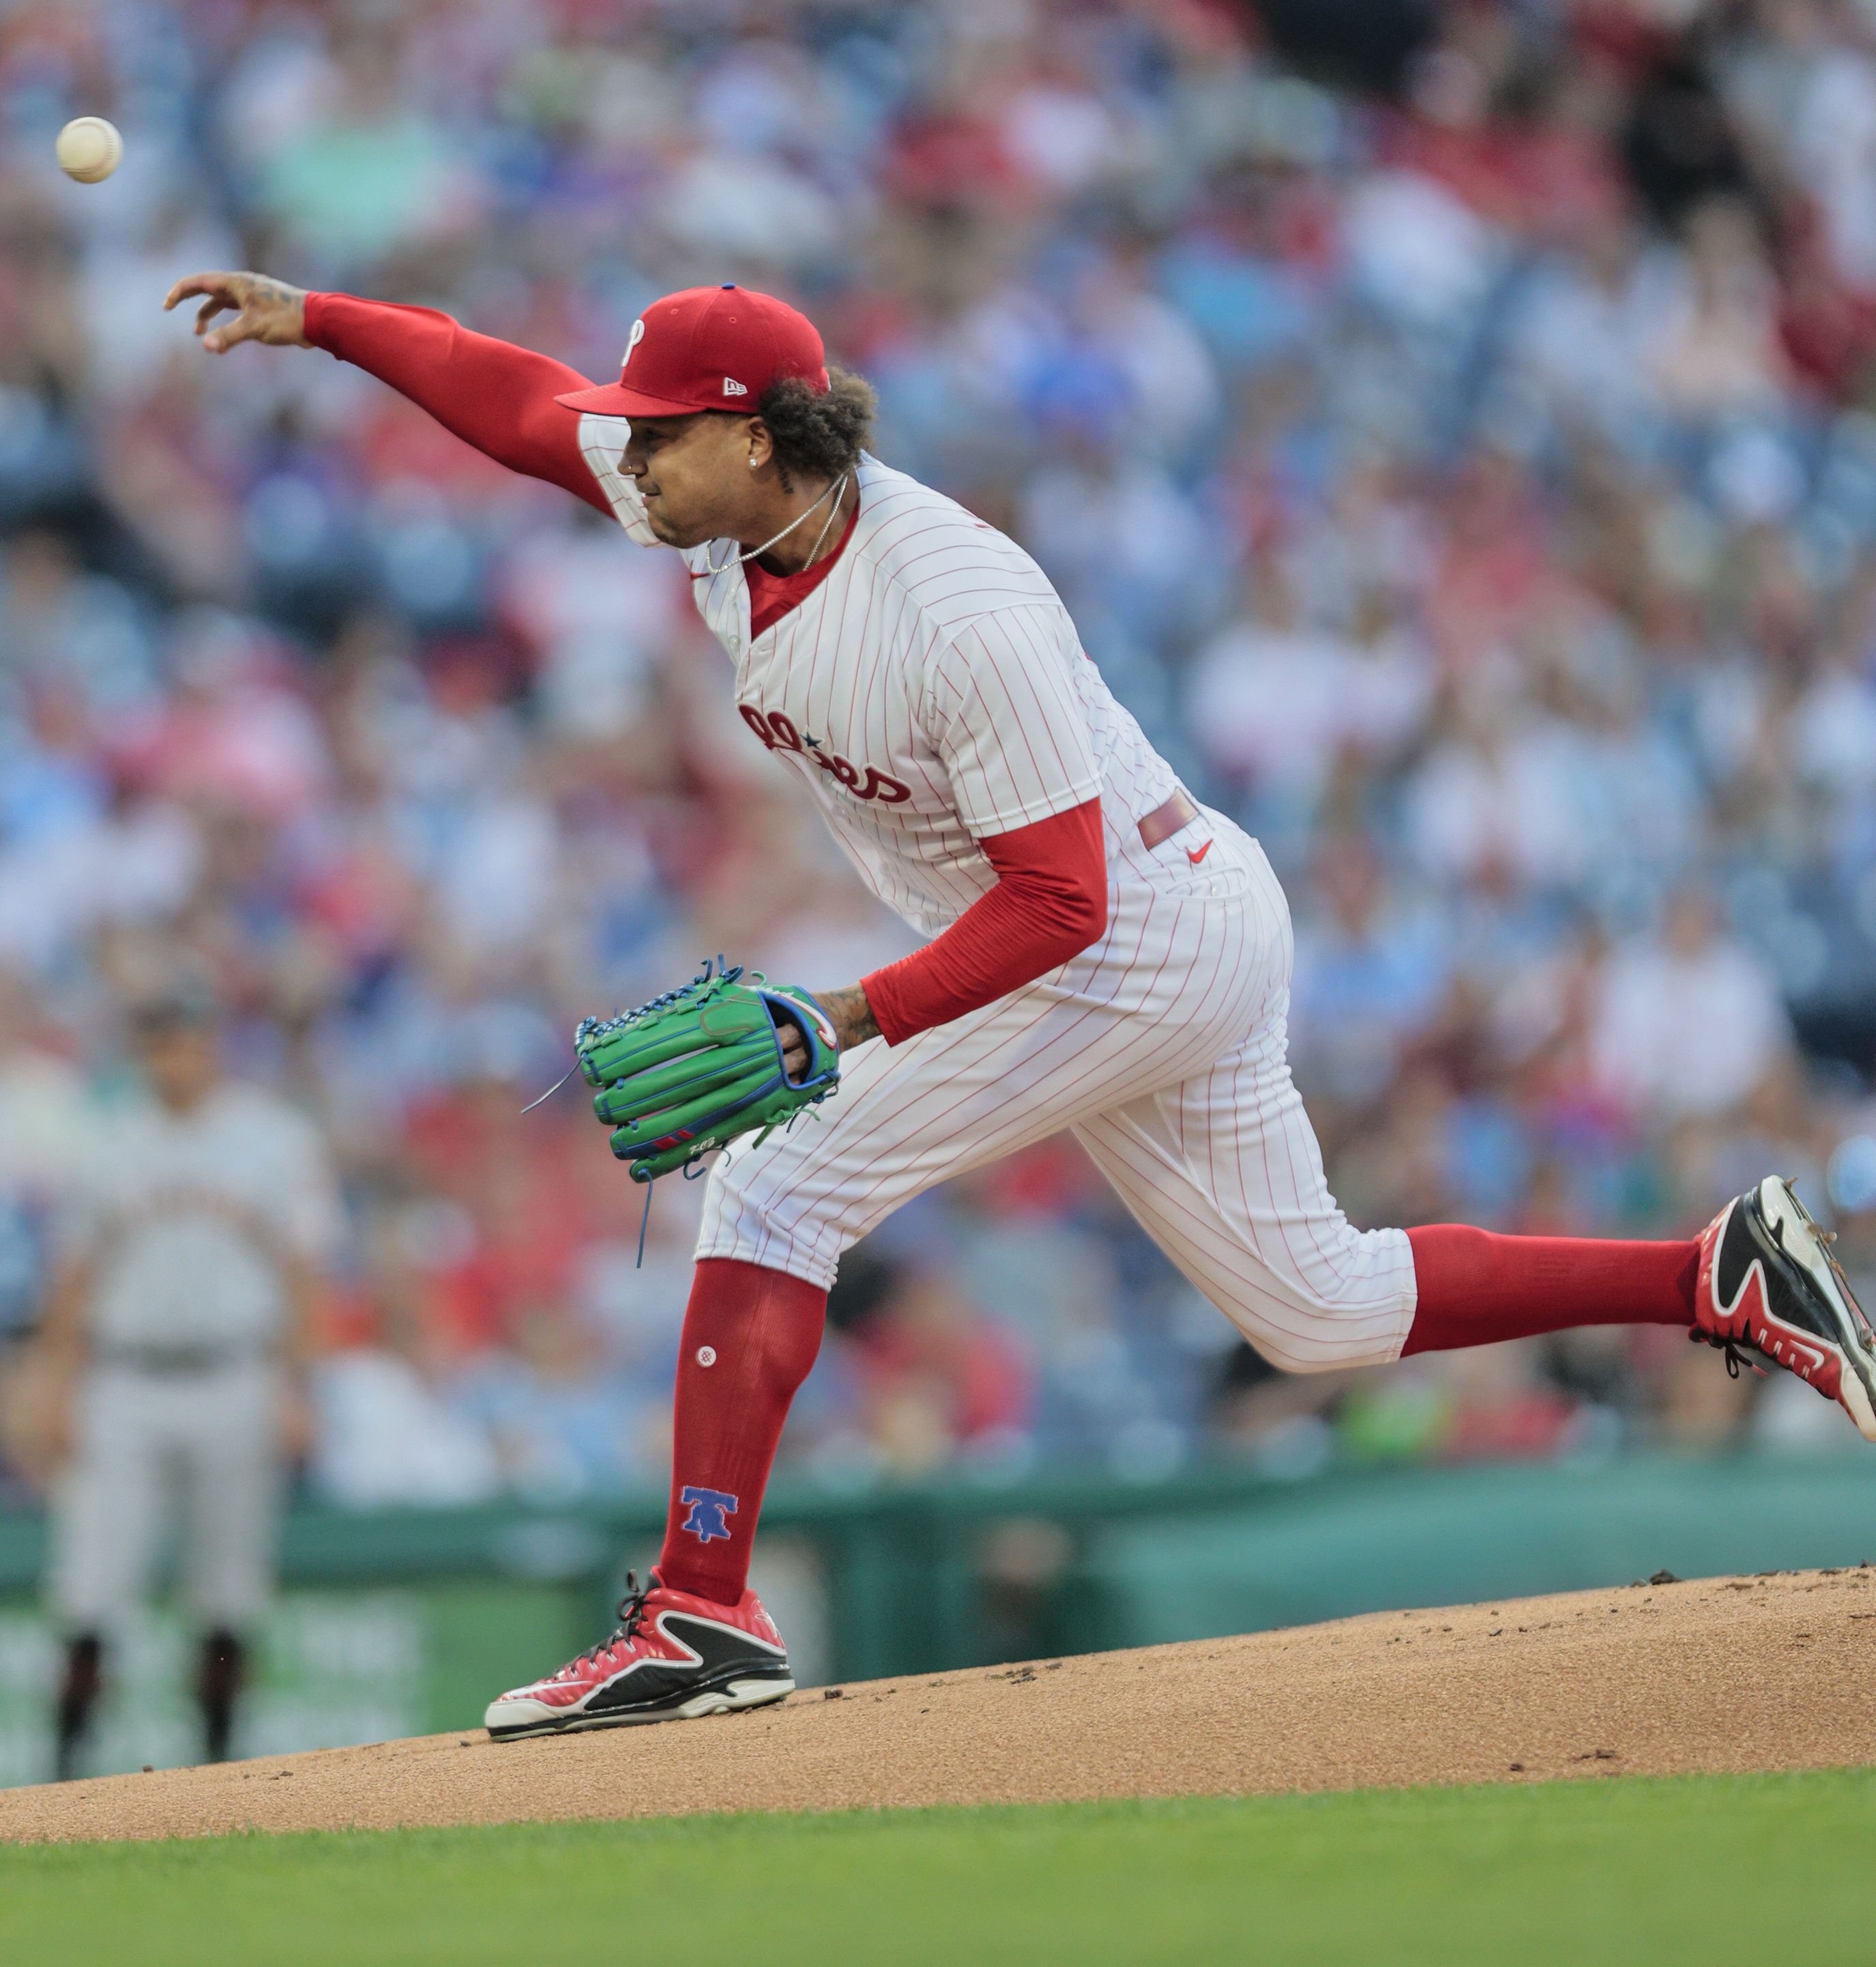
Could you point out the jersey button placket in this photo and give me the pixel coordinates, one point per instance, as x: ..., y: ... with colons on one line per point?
x: 741, y: 641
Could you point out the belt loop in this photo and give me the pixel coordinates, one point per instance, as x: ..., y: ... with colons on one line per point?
x: 1176, y: 814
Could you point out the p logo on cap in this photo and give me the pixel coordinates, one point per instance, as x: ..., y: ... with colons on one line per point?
x: 714, y: 345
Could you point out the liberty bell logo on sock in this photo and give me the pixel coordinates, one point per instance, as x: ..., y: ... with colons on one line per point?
x: 708, y: 1509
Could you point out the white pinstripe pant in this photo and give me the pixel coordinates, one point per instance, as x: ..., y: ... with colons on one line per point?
x: 1163, y: 1048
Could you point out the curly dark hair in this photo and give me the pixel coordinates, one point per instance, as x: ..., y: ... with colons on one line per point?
x: 819, y: 435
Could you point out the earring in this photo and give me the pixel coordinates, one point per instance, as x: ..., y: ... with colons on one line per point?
x: 751, y: 460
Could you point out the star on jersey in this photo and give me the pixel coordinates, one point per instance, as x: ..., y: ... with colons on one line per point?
x: 777, y: 732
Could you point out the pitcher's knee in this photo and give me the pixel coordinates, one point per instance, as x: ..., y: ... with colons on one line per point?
x: 775, y: 1231
x: 1326, y: 1345
x: 1350, y: 1305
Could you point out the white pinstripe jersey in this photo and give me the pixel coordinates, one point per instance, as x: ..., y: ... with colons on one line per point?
x: 932, y: 690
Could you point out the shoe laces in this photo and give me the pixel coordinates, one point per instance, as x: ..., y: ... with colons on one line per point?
x: 1738, y: 1353
x: 630, y: 1613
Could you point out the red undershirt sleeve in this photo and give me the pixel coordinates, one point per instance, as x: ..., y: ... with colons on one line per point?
x: 489, y: 393
x: 1049, y: 903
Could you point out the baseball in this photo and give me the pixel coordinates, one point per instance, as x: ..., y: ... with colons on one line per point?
x: 89, y: 149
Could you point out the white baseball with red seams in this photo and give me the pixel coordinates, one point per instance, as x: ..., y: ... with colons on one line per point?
x: 932, y: 690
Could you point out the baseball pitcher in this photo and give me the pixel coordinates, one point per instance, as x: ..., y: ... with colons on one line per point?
x: 1107, y: 955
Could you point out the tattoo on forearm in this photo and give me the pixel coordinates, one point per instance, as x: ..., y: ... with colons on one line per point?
x: 852, y: 1014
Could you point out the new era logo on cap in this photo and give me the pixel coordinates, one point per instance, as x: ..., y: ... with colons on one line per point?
x: 706, y: 347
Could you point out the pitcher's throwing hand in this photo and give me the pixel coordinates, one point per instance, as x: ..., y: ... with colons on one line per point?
x: 265, y: 311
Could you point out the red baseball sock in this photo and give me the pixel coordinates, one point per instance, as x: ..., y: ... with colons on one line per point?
x: 1475, y: 1288
x: 750, y: 1336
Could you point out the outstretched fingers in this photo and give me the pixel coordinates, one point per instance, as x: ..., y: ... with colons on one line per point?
x: 225, y: 337
x: 219, y: 284
x: 221, y: 296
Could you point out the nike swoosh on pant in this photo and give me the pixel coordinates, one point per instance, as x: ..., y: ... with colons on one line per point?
x: 1195, y: 858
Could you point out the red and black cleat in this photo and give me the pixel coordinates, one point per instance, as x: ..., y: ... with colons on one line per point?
x: 1768, y: 1283
x: 674, y: 1658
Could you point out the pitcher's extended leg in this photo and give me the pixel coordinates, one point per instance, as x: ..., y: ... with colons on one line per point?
x: 1475, y: 1288
x: 1224, y: 1174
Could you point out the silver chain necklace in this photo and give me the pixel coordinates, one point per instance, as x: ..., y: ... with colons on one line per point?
x: 838, y: 488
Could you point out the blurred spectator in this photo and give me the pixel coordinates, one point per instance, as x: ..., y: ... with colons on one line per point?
x: 1276, y: 705
x: 387, y: 1435
x: 1715, y: 350
x: 1370, y: 972
x: 940, y: 1378
x: 1690, y: 1022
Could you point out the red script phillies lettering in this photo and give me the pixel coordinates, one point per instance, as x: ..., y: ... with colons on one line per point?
x: 777, y: 731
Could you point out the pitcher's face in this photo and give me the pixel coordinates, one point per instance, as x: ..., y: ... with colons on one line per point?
x: 694, y: 475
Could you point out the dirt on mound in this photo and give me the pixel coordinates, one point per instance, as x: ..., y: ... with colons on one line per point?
x: 1723, y: 1674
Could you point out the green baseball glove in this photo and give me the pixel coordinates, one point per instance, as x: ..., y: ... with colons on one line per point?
x: 699, y: 1067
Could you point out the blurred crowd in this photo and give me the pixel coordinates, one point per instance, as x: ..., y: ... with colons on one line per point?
x: 1463, y: 465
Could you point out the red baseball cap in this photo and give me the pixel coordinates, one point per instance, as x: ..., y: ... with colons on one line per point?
x: 708, y: 348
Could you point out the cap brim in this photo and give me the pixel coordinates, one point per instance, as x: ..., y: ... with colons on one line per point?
x: 614, y: 399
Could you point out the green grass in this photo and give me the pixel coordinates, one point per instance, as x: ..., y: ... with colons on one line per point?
x: 1716, y: 1870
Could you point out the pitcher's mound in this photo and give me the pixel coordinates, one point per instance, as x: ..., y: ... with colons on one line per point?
x: 1748, y: 1673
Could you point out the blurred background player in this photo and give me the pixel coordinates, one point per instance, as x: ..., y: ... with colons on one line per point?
x: 175, y: 1347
